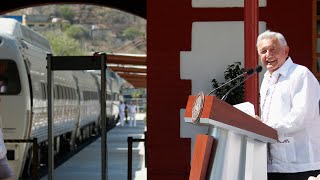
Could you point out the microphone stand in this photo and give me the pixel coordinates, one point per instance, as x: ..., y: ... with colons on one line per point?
x: 249, y: 72
x: 224, y: 97
x: 258, y: 70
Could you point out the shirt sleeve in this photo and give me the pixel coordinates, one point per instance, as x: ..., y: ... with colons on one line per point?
x: 305, y: 104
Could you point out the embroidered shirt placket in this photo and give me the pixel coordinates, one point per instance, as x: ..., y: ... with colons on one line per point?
x: 265, y: 119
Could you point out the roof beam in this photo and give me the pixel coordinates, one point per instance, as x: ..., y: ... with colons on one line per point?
x: 126, y: 59
x: 127, y: 69
x: 138, y: 84
x: 138, y: 81
x: 132, y: 76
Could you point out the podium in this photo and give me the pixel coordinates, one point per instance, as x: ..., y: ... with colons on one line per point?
x: 235, y: 147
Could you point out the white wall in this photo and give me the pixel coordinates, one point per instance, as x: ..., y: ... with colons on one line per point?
x: 223, y: 3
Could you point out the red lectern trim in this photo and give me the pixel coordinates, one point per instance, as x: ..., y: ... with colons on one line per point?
x: 201, y: 156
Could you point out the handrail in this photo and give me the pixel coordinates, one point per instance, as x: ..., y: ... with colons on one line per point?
x: 130, y: 141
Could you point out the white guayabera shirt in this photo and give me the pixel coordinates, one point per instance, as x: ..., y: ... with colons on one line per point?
x: 289, y: 102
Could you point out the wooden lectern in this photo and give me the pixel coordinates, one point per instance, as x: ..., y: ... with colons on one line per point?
x: 235, y: 147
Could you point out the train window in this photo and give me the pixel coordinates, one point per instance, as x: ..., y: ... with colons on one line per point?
x: 115, y: 97
x: 84, y: 95
x: 43, y: 88
x: 67, y: 92
x: 9, y: 78
x: 109, y: 97
x: 55, y: 94
x: 64, y: 94
x: 71, y: 93
x: 58, y: 91
x: 92, y: 95
x: 61, y: 92
x: 74, y: 94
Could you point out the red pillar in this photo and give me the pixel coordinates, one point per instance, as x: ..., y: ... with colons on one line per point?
x: 251, y: 16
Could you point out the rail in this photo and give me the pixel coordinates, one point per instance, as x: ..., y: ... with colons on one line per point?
x: 130, y: 141
x: 34, y: 152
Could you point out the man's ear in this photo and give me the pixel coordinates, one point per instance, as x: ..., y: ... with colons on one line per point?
x: 286, y: 49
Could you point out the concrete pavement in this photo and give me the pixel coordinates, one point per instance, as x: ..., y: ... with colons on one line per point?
x: 86, y: 165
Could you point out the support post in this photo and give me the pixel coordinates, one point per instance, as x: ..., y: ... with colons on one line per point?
x: 62, y: 63
x: 103, y: 118
x: 251, y: 16
x: 50, y: 117
x: 35, y: 159
x: 130, y: 139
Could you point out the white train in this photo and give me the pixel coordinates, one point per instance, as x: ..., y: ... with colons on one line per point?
x: 23, y: 102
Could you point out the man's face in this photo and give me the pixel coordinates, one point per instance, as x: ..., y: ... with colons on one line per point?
x: 271, y: 53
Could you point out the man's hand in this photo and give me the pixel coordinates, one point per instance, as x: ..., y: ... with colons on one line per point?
x: 256, y: 117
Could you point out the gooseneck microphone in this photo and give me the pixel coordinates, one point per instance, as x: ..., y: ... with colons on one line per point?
x: 258, y: 70
x: 249, y: 71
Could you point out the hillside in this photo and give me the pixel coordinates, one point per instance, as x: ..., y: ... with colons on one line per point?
x: 88, y: 28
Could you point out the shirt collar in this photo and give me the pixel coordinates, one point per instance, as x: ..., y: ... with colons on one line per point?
x: 283, y: 70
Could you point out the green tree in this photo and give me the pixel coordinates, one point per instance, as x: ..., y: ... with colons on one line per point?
x: 63, y: 45
x: 131, y: 33
x: 66, y: 12
x: 77, y: 32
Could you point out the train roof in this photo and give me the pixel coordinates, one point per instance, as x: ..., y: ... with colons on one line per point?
x: 16, y: 29
x: 123, y: 83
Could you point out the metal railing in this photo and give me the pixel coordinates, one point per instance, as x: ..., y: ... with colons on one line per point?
x: 34, y: 152
x: 130, y: 141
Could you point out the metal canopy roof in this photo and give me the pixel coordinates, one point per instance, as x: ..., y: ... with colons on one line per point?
x: 131, y: 67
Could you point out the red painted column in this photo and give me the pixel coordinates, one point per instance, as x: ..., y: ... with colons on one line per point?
x: 251, y: 16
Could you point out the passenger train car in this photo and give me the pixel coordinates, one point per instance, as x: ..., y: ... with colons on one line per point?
x: 23, y: 102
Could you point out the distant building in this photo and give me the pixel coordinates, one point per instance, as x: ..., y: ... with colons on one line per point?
x: 37, y: 22
x: 98, y: 32
x: 17, y: 17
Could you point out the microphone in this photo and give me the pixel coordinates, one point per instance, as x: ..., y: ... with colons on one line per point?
x: 258, y: 70
x: 249, y: 72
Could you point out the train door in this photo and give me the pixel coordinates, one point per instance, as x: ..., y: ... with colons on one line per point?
x: 15, y: 109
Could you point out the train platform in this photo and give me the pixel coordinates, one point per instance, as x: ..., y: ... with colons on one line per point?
x: 86, y: 164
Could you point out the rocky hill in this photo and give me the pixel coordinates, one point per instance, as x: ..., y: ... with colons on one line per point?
x: 93, y: 28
